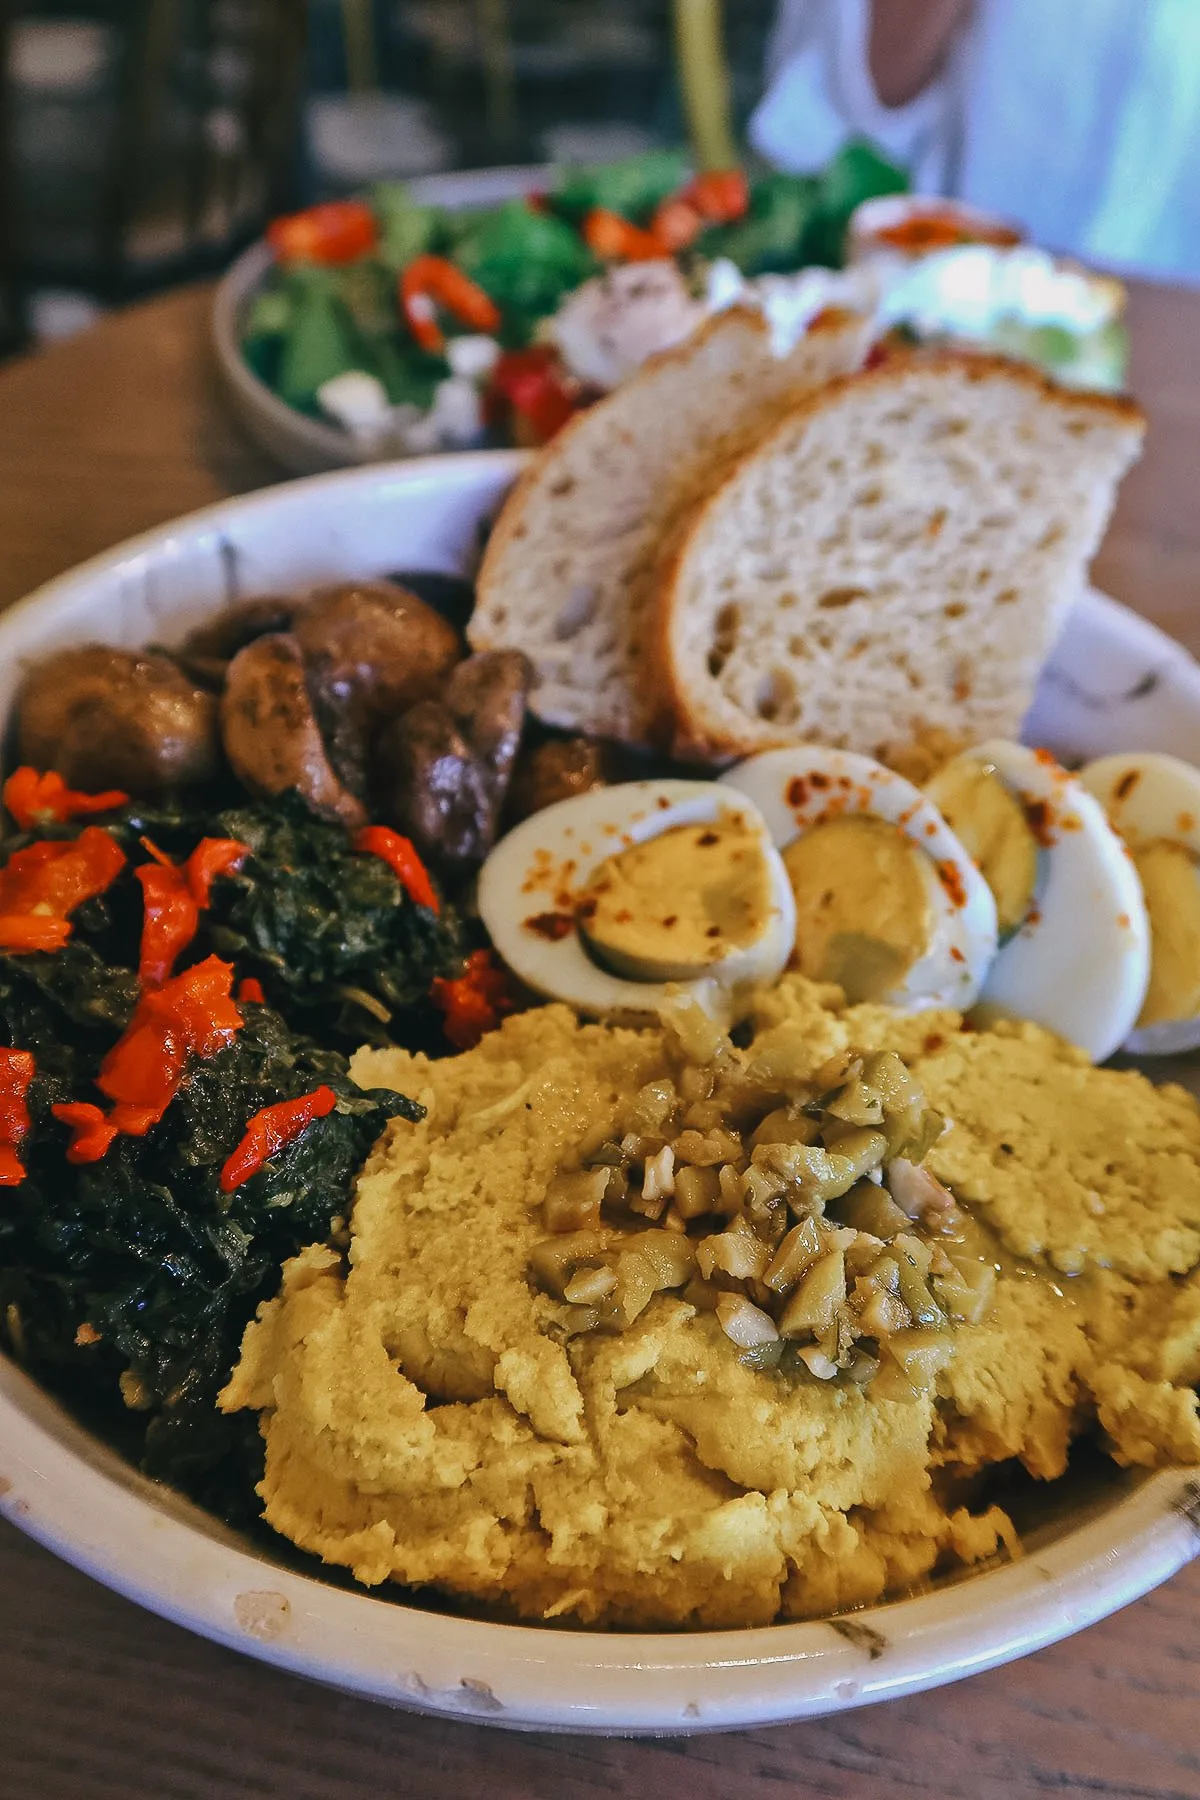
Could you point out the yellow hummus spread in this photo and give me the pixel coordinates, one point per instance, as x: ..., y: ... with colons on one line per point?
x: 433, y: 1417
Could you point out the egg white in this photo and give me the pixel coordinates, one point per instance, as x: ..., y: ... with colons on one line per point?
x: 1163, y: 802
x: 781, y: 784
x: 1080, y: 963
x: 542, y: 866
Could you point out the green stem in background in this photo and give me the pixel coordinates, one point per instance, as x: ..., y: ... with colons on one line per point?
x: 499, y: 92
x: 704, y: 82
x: 358, y: 33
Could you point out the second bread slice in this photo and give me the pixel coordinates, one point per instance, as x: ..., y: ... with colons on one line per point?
x: 895, y: 557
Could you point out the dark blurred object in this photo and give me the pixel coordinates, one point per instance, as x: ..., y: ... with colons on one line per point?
x: 145, y: 141
x: 13, y: 330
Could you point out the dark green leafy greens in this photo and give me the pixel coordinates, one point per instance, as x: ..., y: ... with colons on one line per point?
x: 127, y: 1283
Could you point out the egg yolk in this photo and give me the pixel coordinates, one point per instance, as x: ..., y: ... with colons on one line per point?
x: 1171, y: 884
x: 864, y: 915
x: 990, y: 824
x: 672, y: 907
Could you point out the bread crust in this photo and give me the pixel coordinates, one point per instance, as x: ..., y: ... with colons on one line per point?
x: 695, y: 738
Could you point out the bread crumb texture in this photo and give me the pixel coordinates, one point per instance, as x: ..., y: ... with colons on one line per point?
x: 427, y: 1421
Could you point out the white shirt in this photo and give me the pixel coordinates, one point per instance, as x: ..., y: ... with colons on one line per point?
x: 1080, y: 119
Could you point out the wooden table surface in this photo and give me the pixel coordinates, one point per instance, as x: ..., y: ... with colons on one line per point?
x: 113, y: 433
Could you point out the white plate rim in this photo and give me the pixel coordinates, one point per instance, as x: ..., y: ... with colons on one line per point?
x: 66, y: 1490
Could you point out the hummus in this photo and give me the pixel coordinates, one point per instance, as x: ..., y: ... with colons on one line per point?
x: 428, y: 1422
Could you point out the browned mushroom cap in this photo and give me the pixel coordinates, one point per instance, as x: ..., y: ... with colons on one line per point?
x: 557, y: 770
x: 487, y: 694
x: 434, y: 788
x: 270, y: 735
x: 118, y: 718
x: 205, y: 653
x: 371, y: 649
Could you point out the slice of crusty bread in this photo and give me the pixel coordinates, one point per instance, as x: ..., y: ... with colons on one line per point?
x: 568, y: 571
x: 893, y: 557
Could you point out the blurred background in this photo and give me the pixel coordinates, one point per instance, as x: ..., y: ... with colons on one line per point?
x: 144, y: 142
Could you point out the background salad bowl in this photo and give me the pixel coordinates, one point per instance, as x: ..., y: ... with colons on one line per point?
x: 1113, y: 683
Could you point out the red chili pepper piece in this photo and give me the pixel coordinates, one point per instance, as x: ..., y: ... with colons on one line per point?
x: 170, y: 918
x: 173, y: 899
x: 23, y: 933
x: 211, y: 858
x: 430, y: 282
x: 55, y: 878
x: 614, y: 239
x: 35, y: 799
x: 192, y: 1012
x: 721, y: 195
x: 337, y: 231
x: 16, y: 1073
x: 533, y: 385
x: 250, y: 993
x: 475, y: 1001
x: 270, y: 1130
x: 91, y: 1132
x: 398, y: 853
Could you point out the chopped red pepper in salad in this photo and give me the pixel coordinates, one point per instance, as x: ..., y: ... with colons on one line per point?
x: 35, y: 799
x: 271, y: 1130
x: 16, y: 1073
x: 337, y: 231
x: 531, y: 388
x: 430, y: 282
x: 614, y: 239
x: 401, y: 858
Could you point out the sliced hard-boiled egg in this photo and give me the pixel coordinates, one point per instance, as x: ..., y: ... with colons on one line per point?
x: 1154, y: 803
x: 1076, y: 955
x: 607, y: 898
x: 888, y: 903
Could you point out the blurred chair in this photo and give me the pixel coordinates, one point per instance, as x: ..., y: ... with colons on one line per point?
x: 144, y: 141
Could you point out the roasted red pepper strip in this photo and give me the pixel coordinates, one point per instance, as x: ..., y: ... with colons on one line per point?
x: 431, y: 281
x: 192, y: 1012
x: 91, y: 1132
x: 250, y: 993
x: 475, y: 1001
x: 613, y: 238
x: 337, y: 231
x: 23, y: 933
x: 532, y: 385
x: 170, y: 918
x: 35, y: 799
x: 211, y: 858
x: 16, y: 1073
x: 56, y: 877
x: 270, y: 1130
x: 173, y: 899
x: 398, y: 853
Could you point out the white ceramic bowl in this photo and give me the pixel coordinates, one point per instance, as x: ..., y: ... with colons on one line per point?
x: 1114, y: 682
x: 303, y: 445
